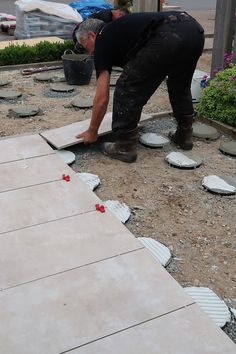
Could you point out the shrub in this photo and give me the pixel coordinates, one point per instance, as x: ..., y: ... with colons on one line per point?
x: 218, y: 100
x: 40, y: 52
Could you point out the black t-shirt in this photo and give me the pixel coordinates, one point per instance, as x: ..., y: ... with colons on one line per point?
x: 104, y: 15
x: 115, y: 40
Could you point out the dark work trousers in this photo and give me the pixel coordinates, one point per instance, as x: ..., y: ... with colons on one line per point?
x: 172, y: 51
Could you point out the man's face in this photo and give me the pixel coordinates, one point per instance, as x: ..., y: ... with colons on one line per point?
x: 89, y: 42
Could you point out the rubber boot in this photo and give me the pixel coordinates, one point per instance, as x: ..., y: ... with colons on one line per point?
x: 124, y: 148
x: 184, y: 133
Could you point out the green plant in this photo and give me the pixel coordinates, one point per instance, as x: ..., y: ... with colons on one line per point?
x: 218, y: 100
x: 40, y: 52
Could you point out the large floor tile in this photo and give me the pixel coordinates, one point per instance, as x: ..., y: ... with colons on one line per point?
x: 186, y: 331
x: 71, y: 309
x: 32, y: 171
x: 65, y: 136
x: 43, y: 203
x: 23, y: 147
x: 46, y: 249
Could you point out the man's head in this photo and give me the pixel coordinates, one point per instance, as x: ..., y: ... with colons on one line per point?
x: 86, y: 33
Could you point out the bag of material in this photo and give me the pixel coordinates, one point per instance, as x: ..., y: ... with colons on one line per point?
x: 37, y: 18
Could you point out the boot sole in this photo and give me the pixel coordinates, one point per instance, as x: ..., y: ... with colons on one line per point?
x: 128, y: 159
x: 123, y: 158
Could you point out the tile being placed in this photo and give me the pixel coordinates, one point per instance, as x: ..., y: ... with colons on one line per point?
x: 82, y: 305
x: 186, y: 331
x: 54, y: 247
x: 43, y: 203
x: 29, y: 172
x: 65, y: 136
x: 23, y: 147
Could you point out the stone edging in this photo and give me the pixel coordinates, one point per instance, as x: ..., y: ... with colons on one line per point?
x: 30, y: 65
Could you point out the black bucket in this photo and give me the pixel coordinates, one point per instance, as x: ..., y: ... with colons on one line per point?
x: 78, y: 68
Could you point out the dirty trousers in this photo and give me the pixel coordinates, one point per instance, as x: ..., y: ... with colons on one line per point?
x: 171, y: 52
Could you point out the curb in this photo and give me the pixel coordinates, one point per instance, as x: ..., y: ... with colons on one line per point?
x: 227, y: 129
x: 30, y: 65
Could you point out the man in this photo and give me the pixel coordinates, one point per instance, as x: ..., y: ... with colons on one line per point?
x: 150, y: 47
x: 106, y: 16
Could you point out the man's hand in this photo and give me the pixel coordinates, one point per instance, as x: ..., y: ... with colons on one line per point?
x: 100, y: 103
x: 89, y: 136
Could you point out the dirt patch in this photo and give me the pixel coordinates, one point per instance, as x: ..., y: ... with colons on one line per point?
x: 167, y: 204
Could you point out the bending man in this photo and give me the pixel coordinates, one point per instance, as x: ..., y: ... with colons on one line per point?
x: 150, y: 47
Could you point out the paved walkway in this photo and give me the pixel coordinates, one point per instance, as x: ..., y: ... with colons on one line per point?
x: 76, y: 280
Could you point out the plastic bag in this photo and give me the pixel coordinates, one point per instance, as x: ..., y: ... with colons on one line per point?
x: 87, y: 7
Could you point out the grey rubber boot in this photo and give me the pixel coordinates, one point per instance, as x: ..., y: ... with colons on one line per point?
x: 124, y: 148
x: 183, y: 137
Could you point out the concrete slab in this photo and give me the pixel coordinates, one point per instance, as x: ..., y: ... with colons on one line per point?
x: 82, y: 102
x: 23, y: 147
x: 77, y: 307
x: 43, y: 250
x: 186, y: 331
x: 183, y: 161
x: 67, y: 156
x: 223, y: 185
x: 93, y: 181
x: 65, y: 136
x: 159, y: 251
x: 24, y: 111
x: 9, y: 94
x: 120, y: 210
x: 44, y: 203
x: 153, y: 140
x: 43, y: 76
x: 4, y: 82
x: 61, y: 87
x: 228, y: 148
x: 211, y: 304
x: 29, y: 172
x: 203, y: 131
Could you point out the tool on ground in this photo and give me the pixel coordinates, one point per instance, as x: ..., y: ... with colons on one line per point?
x: 29, y: 71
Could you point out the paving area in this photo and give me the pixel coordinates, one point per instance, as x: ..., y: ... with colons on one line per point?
x: 76, y: 280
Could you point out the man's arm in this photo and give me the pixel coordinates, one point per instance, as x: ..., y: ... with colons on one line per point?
x: 100, y: 104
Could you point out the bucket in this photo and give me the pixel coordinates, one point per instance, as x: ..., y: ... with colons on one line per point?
x: 78, y: 68
x: 196, y: 88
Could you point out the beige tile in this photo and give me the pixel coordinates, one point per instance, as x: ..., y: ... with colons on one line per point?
x: 65, y: 136
x: 76, y: 307
x: 54, y: 247
x: 46, y: 202
x: 29, y: 172
x: 186, y: 331
x: 23, y: 147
